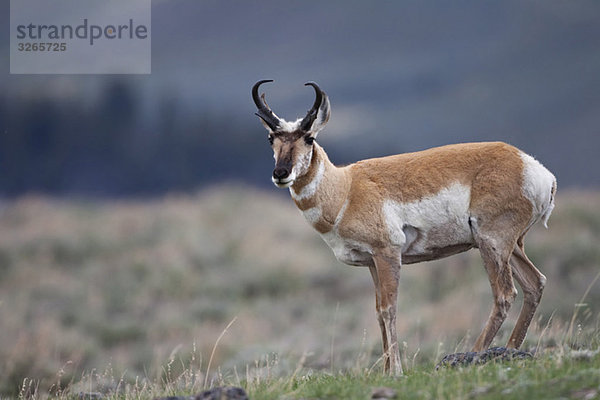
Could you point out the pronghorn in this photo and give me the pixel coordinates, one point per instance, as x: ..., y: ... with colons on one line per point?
x: 407, y: 208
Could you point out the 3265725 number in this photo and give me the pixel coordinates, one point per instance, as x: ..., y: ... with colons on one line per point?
x: 29, y: 46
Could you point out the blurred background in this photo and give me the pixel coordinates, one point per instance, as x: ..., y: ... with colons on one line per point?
x: 401, y: 77
x: 137, y: 217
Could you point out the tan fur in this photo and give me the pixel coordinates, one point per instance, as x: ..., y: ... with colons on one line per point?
x: 411, y: 176
x: 470, y: 195
x: 493, y: 171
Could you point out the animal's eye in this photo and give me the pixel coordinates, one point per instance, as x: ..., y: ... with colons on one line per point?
x: 271, y: 139
x: 309, y: 140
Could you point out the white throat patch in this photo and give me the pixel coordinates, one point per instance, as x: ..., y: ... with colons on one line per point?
x: 311, y: 188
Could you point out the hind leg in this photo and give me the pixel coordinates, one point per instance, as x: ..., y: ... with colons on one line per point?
x: 499, y: 273
x: 495, y: 245
x: 532, y: 281
x: 500, y: 214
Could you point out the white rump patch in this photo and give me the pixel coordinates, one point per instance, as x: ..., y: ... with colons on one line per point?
x: 311, y: 188
x: 538, y: 184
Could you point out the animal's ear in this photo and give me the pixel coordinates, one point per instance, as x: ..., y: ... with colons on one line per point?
x: 322, y: 117
x: 267, y: 127
x: 318, y: 115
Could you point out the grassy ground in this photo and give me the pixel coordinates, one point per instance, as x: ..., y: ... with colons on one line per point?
x: 546, y: 378
x: 130, y: 297
x: 558, y: 373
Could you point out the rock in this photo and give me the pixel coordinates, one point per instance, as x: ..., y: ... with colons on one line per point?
x: 174, y: 398
x: 222, y: 393
x: 473, y: 357
x: 384, y: 393
x: 218, y: 393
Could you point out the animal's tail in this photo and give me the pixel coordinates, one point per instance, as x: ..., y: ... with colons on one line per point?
x: 550, y: 205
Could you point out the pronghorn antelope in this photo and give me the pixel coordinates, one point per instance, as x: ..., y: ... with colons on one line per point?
x: 407, y: 208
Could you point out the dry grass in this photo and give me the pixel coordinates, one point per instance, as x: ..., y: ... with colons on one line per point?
x: 141, y: 290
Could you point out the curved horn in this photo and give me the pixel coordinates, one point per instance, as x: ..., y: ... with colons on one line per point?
x: 264, y: 112
x: 307, y: 122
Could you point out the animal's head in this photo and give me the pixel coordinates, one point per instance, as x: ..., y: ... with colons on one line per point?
x: 292, y: 142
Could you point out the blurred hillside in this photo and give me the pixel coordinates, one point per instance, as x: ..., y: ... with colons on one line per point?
x: 128, y: 286
x: 402, y: 76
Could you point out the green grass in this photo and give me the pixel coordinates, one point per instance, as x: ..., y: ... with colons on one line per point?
x: 545, y: 378
x: 558, y: 373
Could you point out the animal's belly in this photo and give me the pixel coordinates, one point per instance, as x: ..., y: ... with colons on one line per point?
x: 428, y: 229
x: 444, y: 240
x: 435, y: 253
x: 433, y: 227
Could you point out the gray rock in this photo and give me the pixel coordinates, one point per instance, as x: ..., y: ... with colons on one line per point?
x: 473, y: 357
x: 223, y: 393
x: 218, y: 393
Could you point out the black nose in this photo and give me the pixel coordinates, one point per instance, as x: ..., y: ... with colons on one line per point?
x: 280, y: 173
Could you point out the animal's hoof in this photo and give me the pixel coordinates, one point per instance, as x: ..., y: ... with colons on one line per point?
x: 473, y: 357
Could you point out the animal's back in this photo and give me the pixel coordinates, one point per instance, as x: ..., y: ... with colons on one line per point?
x: 412, y: 176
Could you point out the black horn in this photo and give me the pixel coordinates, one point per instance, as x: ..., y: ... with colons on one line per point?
x: 264, y: 112
x: 307, y: 122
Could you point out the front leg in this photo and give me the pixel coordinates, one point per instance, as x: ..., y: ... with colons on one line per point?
x: 387, y: 270
x: 386, y: 361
